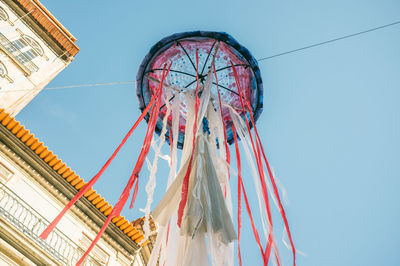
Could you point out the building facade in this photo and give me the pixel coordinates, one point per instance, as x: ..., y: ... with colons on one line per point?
x: 34, y: 48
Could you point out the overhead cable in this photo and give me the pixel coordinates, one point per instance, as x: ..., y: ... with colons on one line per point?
x: 259, y: 60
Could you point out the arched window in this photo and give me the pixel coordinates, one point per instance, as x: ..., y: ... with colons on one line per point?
x: 29, y: 48
x: 34, y: 44
x: 4, y: 72
x: 3, y: 14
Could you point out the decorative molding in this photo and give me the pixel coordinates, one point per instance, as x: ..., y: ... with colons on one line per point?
x: 5, y: 73
x: 40, y: 21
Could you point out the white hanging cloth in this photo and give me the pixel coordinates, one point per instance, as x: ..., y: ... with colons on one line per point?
x: 206, y: 221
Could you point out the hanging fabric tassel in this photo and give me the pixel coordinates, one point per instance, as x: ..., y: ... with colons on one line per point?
x: 275, y: 189
x: 241, y: 188
x: 170, y: 144
x: 170, y: 233
x: 228, y: 155
x: 239, y: 206
x: 194, y: 216
x: 151, y: 184
x: 206, y: 215
x: 282, y: 211
x: 270, y: 240
x: 185, y: 185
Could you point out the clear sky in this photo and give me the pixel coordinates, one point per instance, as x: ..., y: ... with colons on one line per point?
x: 330, y: 123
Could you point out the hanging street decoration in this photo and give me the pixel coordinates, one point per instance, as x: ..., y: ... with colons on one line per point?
x: 200, y: 92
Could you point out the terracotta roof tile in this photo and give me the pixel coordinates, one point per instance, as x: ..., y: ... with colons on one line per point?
x: 93, y: 196
x: 54, y: 161
x: 96, y: 200
x: 105, y: 207
x: 12, y: 124
x: 128, y: 229
x: 76, y: 181
x: 50, y: 24
x: 100, y: 204
x: 121, y: 222
x: 124, y: 226
x: 62, y: 169
x: 6, y: 120
x: 40, y: 148
x: 116, y: 219
x: 58, y: 165
x: 26, y: 136
x: 80, y: 184
x: 3, y: 115
x: 30, y: 141
x: 137, y: 239
x: 107, y: 212
x: 132, y: 232
x: 89, y: 192
x: 16, y: 128
x: 49, y: 157
x: 71, y: 177
x: 20, y: 133
x: 66, y: 173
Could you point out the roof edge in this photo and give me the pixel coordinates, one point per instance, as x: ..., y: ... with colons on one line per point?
x: 132, y: 230
x: 49, y: 24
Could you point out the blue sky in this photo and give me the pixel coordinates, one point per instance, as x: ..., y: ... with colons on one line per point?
x: 330, y: 123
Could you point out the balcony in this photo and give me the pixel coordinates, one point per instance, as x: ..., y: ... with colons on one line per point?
x: 23, y: 62
x: 21, y: 215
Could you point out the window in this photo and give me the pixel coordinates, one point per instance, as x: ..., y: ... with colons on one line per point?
x: 10, y: 47
x: 20, y: 43
x: 30, y: 54
x: 97, y: 252
x: 3, y: 14
x: 33, y: 44
x: 4, y: 72
x: 23, y: 58
x: 29, y: 47
x: 24, y: 49
x: 5, y: 173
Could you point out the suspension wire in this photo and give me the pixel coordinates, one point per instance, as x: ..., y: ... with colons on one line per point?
x: 76, y: 86
x: 329, y: 41
x: 259, y: 60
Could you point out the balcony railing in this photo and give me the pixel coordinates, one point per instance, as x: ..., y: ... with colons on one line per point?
x: 19, y: 57
x: 21, y: 215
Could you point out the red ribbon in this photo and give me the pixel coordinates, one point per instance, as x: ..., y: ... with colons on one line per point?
x: 282, y: 211
x: 88, y: 185
x: 241, y: 188
x: 170, y: 144
x: 270, y: 240
x: 239, y: 208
